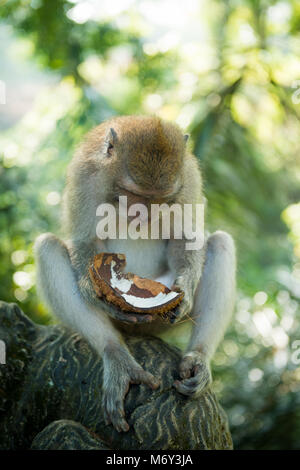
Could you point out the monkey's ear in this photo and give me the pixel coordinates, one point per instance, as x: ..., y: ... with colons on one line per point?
x: 109, y: 141
x: 186, y: 137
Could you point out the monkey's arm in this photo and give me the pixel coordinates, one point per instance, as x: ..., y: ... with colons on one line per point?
x: 186, y: 264
x: 212, y: 310
x: 187, y: 267
x: 58, y: 285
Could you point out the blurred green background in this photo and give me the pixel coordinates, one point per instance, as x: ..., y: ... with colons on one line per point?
x: 228, y: 72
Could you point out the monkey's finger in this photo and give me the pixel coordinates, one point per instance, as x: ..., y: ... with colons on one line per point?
x: 185, y: 371
x: 203, y: 374
x: 126, y: 317
x: 187, y: 387
x: 181, y: 310
x: 122, y: 426
x: 196, y: 384
x: 186, y: 367
x: 106, y: 418
x: 176, y: 288
x: 178, y: 284
x: 142, y: 318
x: 118, y: 413
x: 146, y: 378
x: 177, y: 313
x: 174, y: 315
x: 121, y: 316
x: 129, y: 317
x: 118, y: 420
x: 185, y: 374
x: 135, y: 318
x: 116, y: 313
x: 114, y: 413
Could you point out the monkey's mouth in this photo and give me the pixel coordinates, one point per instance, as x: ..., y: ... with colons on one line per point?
x: 156, y: 196
x: 131, y: 207
x: 125, y: 197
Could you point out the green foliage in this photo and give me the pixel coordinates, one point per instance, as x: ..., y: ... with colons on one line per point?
x: 235, y: 90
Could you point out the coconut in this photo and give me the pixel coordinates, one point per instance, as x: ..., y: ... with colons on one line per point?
x: 129, y: 292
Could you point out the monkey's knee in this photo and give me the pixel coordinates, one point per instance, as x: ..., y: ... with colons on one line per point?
x: 47, y: 245
x: 221, y: 241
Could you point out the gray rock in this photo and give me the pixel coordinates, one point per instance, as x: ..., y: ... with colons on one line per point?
x: 50, y: 395
x: 67, y: 435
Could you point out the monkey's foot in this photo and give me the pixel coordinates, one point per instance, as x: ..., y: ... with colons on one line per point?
x: 121, y: 370
x: 195, y: 374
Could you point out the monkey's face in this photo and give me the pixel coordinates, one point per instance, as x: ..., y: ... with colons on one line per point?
x: 146, y: 159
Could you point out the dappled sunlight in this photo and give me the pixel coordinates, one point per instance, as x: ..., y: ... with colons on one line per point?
x: 228, y: 73
x: 21, y: 144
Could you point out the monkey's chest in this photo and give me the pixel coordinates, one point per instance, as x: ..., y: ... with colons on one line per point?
x: 146, y: 258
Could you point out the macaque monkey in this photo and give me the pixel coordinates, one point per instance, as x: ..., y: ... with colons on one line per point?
x: 145, y: 159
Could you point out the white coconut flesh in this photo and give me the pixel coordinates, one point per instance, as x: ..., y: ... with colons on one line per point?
x: 124, y: 285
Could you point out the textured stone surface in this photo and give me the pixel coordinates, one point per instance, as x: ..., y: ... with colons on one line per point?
x: 50, y: 395
x: 67, y: 435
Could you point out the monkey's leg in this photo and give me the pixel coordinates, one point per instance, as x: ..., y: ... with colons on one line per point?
x: 60, y: 290
x: 212, y: 310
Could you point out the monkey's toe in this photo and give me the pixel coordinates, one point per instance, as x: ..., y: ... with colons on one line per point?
x: 192, y: 387
x: 114, y: 414
x: 140, y: 376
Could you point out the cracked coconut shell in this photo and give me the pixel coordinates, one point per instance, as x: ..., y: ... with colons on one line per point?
x: 128, y: 291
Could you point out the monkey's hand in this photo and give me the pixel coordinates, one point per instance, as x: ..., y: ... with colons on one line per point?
x: 121, y: 370
x: 87, y: 291
x: 195, y: 374
x: 185, y: 307
x: 125, y: 317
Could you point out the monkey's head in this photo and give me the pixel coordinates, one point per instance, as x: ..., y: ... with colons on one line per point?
x: 140, y: 155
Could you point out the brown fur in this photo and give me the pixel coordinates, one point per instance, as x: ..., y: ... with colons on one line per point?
x: 151, y: 149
